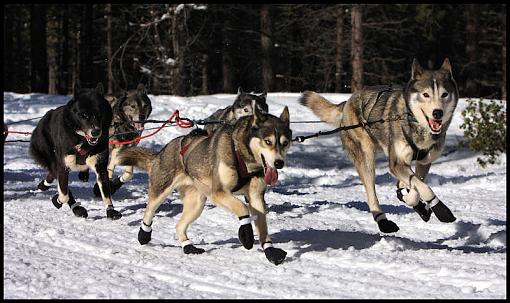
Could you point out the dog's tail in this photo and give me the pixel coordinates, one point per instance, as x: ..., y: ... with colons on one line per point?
x: 136, y: 156
x: 328, y: 112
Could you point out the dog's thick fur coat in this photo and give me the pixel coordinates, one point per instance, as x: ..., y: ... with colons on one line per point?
x: 201, y: 167
x: 425, y: 106
x: 75, y: 137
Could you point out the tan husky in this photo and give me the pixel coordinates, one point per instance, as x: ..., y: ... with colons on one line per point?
x: 236, y: 159
x: 425, y: 107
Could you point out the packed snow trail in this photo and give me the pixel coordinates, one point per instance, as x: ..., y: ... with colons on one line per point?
x: 317, y: 213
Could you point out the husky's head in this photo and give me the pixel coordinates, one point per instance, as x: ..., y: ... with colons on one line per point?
x: 135, y: 106
x: 243, y: 103
x: 270, y: 139
x: 88, y: 113
x: 432, y: 96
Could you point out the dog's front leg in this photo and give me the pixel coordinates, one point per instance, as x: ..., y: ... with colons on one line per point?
x: 64, y: 194
x: 411, y: 197
x: 258, y: 208
x: 236, y: 206
x: 401, y: 169
x: 98, y: 163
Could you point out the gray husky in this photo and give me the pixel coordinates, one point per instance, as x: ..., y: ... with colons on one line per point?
x: 129, y: 109
x: 236, y: 159
x: 416, y: 118
x: 242, y: 107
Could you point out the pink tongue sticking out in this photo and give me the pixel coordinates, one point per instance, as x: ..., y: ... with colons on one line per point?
x: 270, y: 175
x: 435, y: 124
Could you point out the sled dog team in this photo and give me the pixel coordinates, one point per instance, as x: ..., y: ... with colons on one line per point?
x: 242, y: 155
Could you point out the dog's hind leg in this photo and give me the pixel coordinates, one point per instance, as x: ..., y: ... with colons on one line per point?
x: 362, y: 151
x: 258, y: 208
x: 193, y: 205
x: 157, y: 195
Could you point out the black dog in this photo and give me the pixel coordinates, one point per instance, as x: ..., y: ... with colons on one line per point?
x: 75, y: 137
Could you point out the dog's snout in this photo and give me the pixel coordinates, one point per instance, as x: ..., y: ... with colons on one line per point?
x: 437, y: 113
x: 279, y: 164
x: 96, y: 132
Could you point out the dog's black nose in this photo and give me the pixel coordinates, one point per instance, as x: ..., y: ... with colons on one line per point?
x: 95, y: 132
x: 279, y: 164
x: 437, y: 113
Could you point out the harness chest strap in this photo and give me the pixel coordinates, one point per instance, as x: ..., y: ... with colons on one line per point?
x: 242, y: 172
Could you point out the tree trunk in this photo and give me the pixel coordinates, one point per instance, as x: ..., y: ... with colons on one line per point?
x: 178, y: 71
x: 63, y: 83
x: 52, y: 42
x: 9, y: 78
x: 503, y: 60
x: 108, y: 12
x: 205, y: 77
x: 357, y: 48
x: 339, y: 43
x: 472, y: 54
x: 87, y: 78
x: 226, y: 60
x: 267, y: 45
x: 39, y: 69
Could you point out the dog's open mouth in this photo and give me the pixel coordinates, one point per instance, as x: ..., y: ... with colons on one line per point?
x: 91, y: 140
x: 270, y: 173
x: 434, y: 125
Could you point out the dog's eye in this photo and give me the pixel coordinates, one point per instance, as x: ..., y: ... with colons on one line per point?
x: 444, y: 95
x: 268, y: 142
x: 246, y: 110
x: 426, y: 95
x: 285, y: 143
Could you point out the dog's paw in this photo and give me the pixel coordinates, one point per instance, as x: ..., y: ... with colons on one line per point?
x: 401, y: 192
x: 190, y: 249
x: 56, y: 202
x: 387, y: 226
x: 144, y: 236
x: 246, y: 235
x: 42, y: 186
x: 84, y: 176
x: 275, y: 255
x: 115, y: 184
x: 423, y: 211
x: 113, y: 214
x: 443, y: 213
x: 97, y: 191
x: 78, y: 211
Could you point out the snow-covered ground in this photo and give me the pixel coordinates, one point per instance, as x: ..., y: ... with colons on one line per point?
x: 317, y: 213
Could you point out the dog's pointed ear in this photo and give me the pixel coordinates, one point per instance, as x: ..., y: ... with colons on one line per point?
x: 447, y: 67
x: 285, y: 117
x: 416, y: 69
x: 100, y: 89
x: 239, y: 90
x: 141, y: 89
x: 257, y: 117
